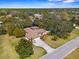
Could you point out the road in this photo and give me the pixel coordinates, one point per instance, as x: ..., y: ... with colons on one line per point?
x: 39, y: 42
x: 63, y: 51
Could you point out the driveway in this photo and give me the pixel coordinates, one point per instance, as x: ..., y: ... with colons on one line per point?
x: 64, y: 50
x: 39, y: 42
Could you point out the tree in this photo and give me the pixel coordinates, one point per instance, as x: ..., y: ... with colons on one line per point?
x: 24, y: 48
x: 2, y: 30
x: 62, y: 29
x: 3, y: 12
x: 75, y: 20
x: 23, y: 23
x: 18, y: 32
x: 10, y: 28
x: 65, y: 15
x: 57, y: 27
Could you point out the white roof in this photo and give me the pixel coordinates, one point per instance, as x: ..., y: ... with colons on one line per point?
x: 37, y: 14
x: 1, y: 22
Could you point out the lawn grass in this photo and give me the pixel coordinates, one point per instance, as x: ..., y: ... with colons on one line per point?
x: 73, y: 55
x: 73, y: 34
x: 38, y: 52
x: 54, y: 44
x: 60, y: 41
x: 7, y: 48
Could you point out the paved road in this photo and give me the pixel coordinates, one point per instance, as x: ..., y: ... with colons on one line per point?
x: 39, y: 42
x: 63, y: 51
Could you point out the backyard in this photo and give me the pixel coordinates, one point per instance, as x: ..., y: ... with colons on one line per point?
x: 7, y: 50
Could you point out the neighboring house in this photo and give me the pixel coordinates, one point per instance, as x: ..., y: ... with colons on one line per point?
x: 77, y: 27
x: 34, y: 32
x: 13, y: 13
x: 2, y: 16
x: 51, y: 12
x: 39, y: 16
x: 1, y: 23
x: 8, y: 16
x: 29, y: 13
x: 74, y: 25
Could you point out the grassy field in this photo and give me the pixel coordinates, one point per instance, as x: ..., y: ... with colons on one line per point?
x: 7, y: 50
x: 60, y: 41
x: 73, y: 55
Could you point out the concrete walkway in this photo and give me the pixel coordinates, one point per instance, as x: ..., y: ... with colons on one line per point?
x: 39, y: 42
x: 64, y: 50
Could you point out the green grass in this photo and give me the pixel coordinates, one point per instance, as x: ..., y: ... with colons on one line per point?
x: 73, y: 55
x: 38, y: 52
x: 73, y: 34
x: 7, y: 48
x: 60, y: 41
x: 54, y: 44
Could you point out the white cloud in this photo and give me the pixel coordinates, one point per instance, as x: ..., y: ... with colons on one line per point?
x: 69, y: 1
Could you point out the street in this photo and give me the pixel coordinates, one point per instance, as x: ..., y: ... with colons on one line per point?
x: 63, y: 51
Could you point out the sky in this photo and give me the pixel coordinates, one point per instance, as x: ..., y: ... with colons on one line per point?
x: 39, y: 3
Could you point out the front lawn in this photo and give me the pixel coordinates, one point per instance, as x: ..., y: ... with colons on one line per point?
x: 60, y: 41
x: 73, y: 55
x: 7, y: 48
x: 38, y: 52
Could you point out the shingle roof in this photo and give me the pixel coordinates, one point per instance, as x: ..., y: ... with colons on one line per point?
x: 34, y: 32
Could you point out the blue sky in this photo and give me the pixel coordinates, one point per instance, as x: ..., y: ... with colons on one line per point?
x: 39, y: 3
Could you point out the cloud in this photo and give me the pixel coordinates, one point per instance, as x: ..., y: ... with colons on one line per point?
x: 69, y: 1
x: 49, y: 4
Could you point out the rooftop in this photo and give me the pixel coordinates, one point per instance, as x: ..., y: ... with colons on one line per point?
x: 1, y: 22
x: 34, y: 32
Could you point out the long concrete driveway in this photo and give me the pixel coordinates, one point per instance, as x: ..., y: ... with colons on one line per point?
x: 64, y: 50
x: 39, y: 42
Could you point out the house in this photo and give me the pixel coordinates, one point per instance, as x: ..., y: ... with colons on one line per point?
x: 39, y: 16
x: 8, y: 16
x: 13, y: 13
x: 34, y: 32
x: 1, y: 23
x: 29, y: 13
